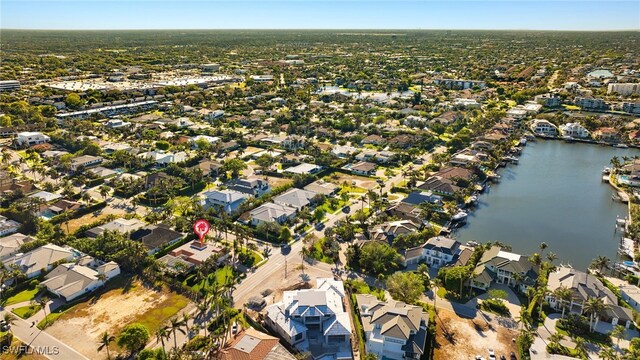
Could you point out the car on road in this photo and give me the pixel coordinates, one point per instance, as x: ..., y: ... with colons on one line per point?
x: 502, y: 357
x: 346, y: 209
x: 296, y: 236
x: 234, y: 328
x: 380, y: 181
x: 319, y: 226
x: 478, y: 357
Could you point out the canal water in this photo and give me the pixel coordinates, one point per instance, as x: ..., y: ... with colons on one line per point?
x: 554, y: 195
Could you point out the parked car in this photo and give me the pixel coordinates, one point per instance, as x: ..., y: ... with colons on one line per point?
x: 319, y: 226
x: 492, y: 355
x: 234, y: 328
x: 346, y: 209
x: 513, y: 356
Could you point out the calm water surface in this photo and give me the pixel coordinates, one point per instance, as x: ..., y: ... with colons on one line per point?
x: 554, y: 195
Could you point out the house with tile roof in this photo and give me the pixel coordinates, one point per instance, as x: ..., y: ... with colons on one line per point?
x: 584, y: 286
x: 314, y: 320
x: 497, y: 265
x: 436, y: 252
x: 393, y: 330
x: 72, y: 280
x: 271, y: 212
x: 389, y: 230
x: 296, y: 198
x: 10, y: 245
x: 251, y: 344
x: 34, y: 262
x: 227, y: 199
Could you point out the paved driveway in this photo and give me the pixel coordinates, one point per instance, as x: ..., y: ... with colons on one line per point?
x: 512, y: 302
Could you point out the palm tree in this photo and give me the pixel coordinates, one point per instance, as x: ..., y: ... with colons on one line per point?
x: 607, y: 353
x: 594, y: 307
x: 304, y: 252
x: 42, y: 301
x: 185, y: 319
x: 563, y: 296
x: 543, y: 245
x: 102, y: 277
x: 599, y: 263
x: 9, y: 319
x: 551, y: 256
x: 105, y: 341
x: 618, y: 333
x: 162, y: 334
x: 104, y: 191
x: 555, y: 339
x: 174, y: 326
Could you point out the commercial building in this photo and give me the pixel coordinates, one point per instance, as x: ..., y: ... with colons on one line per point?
x: 9, y: 85
x: 624, y: 89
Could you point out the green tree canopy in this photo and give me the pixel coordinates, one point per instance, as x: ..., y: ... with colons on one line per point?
x: 405, y: 286
x: 133, y: 337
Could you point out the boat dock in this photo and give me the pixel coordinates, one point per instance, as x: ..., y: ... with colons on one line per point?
x: 605, y: 179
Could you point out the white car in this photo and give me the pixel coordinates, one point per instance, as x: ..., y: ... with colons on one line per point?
x: 492, y: 355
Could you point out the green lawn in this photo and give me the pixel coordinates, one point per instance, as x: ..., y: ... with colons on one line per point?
x: 332, y: 209
x: 316, y: 252
x: 25, y: 295
x: 352, y: 189
x: 255, y: 257
x: 218, y: 277
x: 26, y: 312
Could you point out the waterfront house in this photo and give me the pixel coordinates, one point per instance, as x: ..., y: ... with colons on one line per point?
x: 440, y: 185
x: 574, y: 130
x: 406, y: 211
x: 314, y: 320
x: 630, y: 294
x: 584, y: 286
x: 499, y: 266
x: 436, y: 252
x: 393, y: 330
x: 543, y: 127
x: 420, y: 197
x: 607, y: 134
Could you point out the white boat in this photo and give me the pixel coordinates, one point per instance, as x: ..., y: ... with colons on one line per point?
x: 461, y: 216
x: 523, y: 141
x: 473, y: 199
x: 621, y: 146
x: 472, y: 243
x: 606, y: 171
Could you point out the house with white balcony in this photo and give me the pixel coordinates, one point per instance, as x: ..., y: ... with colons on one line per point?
x: 503, y: 267
x: 28, y: 138
x: 393, y: 330
x: 543, y: 127
x: 314, y: 320
x: 574, y: 130
x: 436, y: 252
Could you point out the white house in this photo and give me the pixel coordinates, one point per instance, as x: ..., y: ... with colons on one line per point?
x: 229, y: 200
x: 116, y: 124
x: 574, y: 130
x: 10, y: 245
x: 295, y: 198
x: 436, y: 252
x: 393, y: 330
x: 8, y: 226
x: 85, y: 161
x: 71, y: 280
x: 543, y: 127
x: 314, y: 320
x: 31, y: 138
x: 271, y: 212
x: 32, y: 263
x: 162, y: 157
x: 631, y: 294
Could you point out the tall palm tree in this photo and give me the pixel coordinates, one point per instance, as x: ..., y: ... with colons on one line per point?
x: 599, y: 263
x: 304, y: 252
x: 618, y: 333
x: 594, y: 307
x: 9, y: 318
x: 551, y: 256
x: 543, y: 246
x: 185, y: 319
x: 105, y: 341
x: 563, y: 296
x: 161, y: 335
x: 581, y: 346
x: 174, y: 326
x: 42, y: 301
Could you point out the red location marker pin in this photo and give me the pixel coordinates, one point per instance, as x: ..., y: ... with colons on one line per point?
x: 201, y: 228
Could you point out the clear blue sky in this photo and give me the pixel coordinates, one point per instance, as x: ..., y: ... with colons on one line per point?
x: 307, y: 14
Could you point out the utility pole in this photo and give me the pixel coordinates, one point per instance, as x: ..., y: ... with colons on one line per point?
x: 285, y: 266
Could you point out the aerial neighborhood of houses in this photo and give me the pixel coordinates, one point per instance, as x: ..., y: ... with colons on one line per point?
x: 333, y: 192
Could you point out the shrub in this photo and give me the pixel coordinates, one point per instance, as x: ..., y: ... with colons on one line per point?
x: 574, y: 324
x: 495, y: 306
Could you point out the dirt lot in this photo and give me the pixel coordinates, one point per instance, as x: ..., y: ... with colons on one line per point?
x: 275, y: 182
x: 364, y: 182
x: 470, y: 338
x: 111, y: 312
x: 89, y: 218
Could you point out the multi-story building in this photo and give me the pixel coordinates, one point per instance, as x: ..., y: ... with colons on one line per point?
x: 393, y: 330
x: 436, y: 252
x: 503, y: 267
x: 631, y: 108
x: 548, y: 100
x: 252, y: 186
x: 591, y: 103
x: 85, y: 161
x: 314, y: 320
x: 31, y: 138
x: 543, y: 127
x: 574, y: 130
x: 8, y: 226
x: 228, y: 200
x: 9, y: 85
x: 624, y: 89
x: 459, y: 84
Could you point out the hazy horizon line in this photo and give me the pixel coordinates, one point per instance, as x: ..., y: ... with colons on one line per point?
x: 321, y: 29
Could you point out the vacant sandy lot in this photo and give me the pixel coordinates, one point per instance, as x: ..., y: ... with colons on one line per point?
x: 470, y: 338
x: 82, y: 326
x: 275, y: 182
x: 339, y: 178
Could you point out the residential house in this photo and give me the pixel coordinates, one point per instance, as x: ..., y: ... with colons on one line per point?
x: 271, y: 212
x: 203, y: 138
x: 8, y: 226
x: 45, y: 196
x: 123, y: 226
x: 85, y: 161
x: 294, y: 142
x: 156, y: 179
x: 440, y: 185
x: 574, y: 130
x: 34, y: 262
x: 344, y: 151
x: 402, y: 141
x: 631, y: 295
x: 116, y: 124
x: 406, y: 211
x: 295, y: 198
x: 375, y: 155
x: 388, y: 231
x: 497, y: 265
x: 72, y: 280
x: 548, y: 100
x: 436, y: 252
x: 251, y: 344
x: 156, y: 236
x: 591, y: 103
x: 468, y: 158
x: 228, y: 200
x: 323, y: 187
x: 419, y: 197
x: 193, y: 254
x: 373, y: 140
x: 584, y: 286
x: 209, y: 168
x: 543, y: 127
x: 362, y: 168
x: 314, y: 320
x: 253, y: 186
x: 304, y: 169
x: 607, y: 134
x: 31, y: 138
x: 162, y: 157
x: 392, y: 330
x: 10, y: 245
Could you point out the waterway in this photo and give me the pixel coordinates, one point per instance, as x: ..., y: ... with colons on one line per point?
x: 554, y: 195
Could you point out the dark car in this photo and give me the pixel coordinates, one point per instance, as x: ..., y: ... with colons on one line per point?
x: 513, y: 356
x: 319, y: 226
x: 346, y: 209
